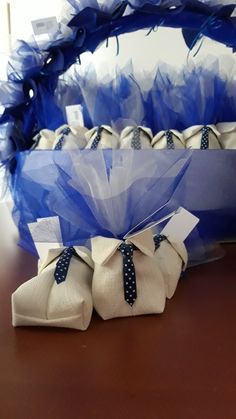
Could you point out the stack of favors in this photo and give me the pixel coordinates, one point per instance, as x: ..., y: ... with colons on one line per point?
x: 118, y: 182
x: 124, y: 251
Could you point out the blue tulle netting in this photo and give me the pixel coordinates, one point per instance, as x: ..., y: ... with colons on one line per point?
x: 33, y: 71
x: 83, y: 187
x: 110, y: 192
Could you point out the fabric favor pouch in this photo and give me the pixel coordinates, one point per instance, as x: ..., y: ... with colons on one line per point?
x: 202, y: 137
x: 172, y: 259
x: 127, y: 280
x: 62, y: 302
x: 44, y: 140
x: 102, y: 137
x: 70, y: 138
x: 136, y: 138
x: 227, y: 134
x: 170, y: 139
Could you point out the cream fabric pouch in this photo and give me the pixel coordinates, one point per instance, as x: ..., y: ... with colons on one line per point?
x: 70, y: 138
x: 42, y: 301
x: 44, y: 140
x: 120, y: 290
x: 227, y: 134
x: 170, y: 139
x: 202, y: 137
x: 102, y: 137
x: 172, y: 259
x: 136, y: 137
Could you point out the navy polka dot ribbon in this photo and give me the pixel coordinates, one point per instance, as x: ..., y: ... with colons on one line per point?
x: 64, y: 132
x: 205, y: 138
x: 169, y: 139
x: 129, y: 276
x: 63, y: 264
x: 158, y: 239
x: 136, y: 141
x: 97, y: 139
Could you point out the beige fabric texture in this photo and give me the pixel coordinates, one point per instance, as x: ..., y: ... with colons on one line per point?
x: 127, y: 136
x: 159, y: 142
x: 193, y: 135
x: 228, y: 134
x: 109, y: 138
x: 42, y: 302
x: 172, y: 259
x: 107, y: 286
x: 74, y: 140
x: 46, y: 140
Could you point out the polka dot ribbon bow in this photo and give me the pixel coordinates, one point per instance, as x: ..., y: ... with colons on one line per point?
x: 205, y: 138
x: 136, y: 141
x: 129, y: 277
x: 97, y: 139
x: 63, y: 264
x: 158, y: 239
x: 169, y: 139
x: 65, y: 131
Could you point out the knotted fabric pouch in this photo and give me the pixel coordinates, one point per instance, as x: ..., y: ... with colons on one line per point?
x: 102, y: 137
x: 127, y: 279
x: 202, y: 137
x: 60, y: 295
x: 227, y: 134
x: 44, y: 140
x: 69, y: 138
x: 170, y: 139
x: 136, y: 137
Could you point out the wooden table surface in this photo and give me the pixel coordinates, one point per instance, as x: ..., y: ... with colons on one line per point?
x: 179, y: 365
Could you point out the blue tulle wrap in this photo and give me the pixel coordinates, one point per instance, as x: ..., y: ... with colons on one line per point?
x: 110, y: 192
x: 94, y: 193
x: 35, y: 70
x: 177, y: 99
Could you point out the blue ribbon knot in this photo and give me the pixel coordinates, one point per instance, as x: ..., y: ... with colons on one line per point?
x: 129, y: 275
x: 62, y: 265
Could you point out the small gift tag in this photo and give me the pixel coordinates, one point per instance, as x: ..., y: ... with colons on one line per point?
x: 74, y: 114
x: 42, y: 231
x: 180, y: 225
x: 45, y: 26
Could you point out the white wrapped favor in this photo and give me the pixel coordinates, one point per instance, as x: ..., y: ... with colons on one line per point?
x: 43, y: 301
x: 227, y: 134
x: 126, y: 284
x: 102, y: 137
x: 70, y: 137
x: 202, y: 137
x: 44, y: 140
x: 170, y: 139
x: 136, y: 137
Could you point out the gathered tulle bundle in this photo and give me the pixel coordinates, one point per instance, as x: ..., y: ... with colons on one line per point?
x: 173, y: 99
x: 109, y: 192
x: 27, y: 101
x: 104, y: 193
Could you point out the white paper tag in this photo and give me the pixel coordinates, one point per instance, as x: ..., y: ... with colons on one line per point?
x: 180, y: 225
x: 74, y: 114
x: 46, y: 233
x: 45, y: 26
